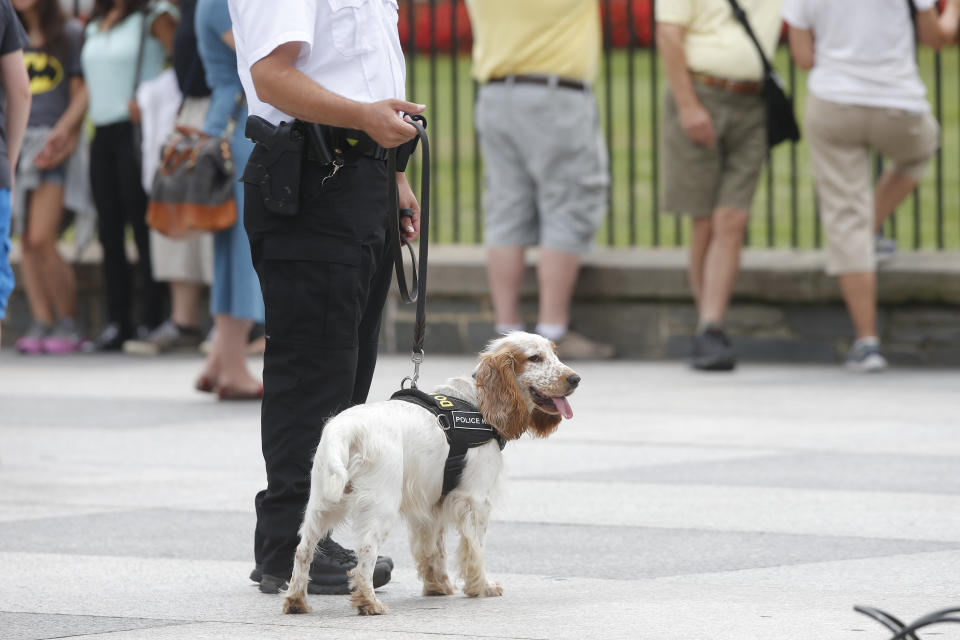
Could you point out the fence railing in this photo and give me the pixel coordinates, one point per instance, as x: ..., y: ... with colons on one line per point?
x: 629, y: 90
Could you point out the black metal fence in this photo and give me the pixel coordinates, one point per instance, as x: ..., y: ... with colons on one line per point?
x: 629, y: 91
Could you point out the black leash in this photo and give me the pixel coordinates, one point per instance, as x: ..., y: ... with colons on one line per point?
x: 904, y: 631
x: 419, y: 272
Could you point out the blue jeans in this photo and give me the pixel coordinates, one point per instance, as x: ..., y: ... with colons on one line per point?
x: 6, y: 271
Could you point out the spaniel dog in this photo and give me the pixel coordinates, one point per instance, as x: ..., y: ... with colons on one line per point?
x: 380, y: 459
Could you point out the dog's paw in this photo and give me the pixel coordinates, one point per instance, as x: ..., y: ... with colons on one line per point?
x: 295, y: 604
x: 489, y: 590
x: 440, y: 588
x: 375, y: 608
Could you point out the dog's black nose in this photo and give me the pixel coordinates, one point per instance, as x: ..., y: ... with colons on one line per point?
x: 573, y: 380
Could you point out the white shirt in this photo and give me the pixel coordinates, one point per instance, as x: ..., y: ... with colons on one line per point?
x: 863, y: 51
x: 350, y: 47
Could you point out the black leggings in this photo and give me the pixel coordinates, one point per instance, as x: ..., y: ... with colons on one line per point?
x: 119, y: 197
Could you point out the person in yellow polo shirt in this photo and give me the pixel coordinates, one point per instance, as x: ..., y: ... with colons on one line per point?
x: 713, y: 145
x: 545, y: 161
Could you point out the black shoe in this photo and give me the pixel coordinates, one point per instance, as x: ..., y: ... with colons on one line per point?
x: 329, y: 547
x: 328, y: 571
x: 712, y: 351
x: 110, y: 339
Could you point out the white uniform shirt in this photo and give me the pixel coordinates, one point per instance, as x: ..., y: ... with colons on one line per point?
x: 350, y: 47
x: 863, y: 51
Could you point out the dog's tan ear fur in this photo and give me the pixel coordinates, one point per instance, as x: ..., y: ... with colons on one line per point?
x: 499, y: 398
x: 543, y: 424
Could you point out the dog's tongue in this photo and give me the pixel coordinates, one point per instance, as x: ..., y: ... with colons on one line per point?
x: 563, y: 407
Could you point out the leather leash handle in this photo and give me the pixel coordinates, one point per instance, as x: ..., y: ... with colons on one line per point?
x: 419, y: 281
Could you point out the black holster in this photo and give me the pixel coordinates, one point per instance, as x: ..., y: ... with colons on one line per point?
x: 276, y: 163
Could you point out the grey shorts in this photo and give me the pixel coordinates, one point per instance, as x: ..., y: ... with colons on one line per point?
x: 697, y: 180
x: 545, y: 166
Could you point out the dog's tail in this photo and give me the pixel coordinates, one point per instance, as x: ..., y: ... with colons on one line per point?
x: 335, y: 452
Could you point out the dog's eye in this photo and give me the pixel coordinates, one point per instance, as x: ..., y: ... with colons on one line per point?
x: 535, y: 358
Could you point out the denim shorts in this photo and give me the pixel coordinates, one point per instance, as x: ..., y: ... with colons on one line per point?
x: 6, y: 271
x: 56, y: 175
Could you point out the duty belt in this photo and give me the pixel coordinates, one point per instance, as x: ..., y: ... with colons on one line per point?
x: 462, y: 424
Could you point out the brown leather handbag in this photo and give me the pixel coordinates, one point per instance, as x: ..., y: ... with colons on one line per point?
x: 193, y: 189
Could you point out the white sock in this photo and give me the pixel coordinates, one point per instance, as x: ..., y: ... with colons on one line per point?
x: 551, y: 331
x: 504, y: 329
x: 873, y: 341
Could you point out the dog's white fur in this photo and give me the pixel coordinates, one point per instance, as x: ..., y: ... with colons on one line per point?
x: 382, y: 459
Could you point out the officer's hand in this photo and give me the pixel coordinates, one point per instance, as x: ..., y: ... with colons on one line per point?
x: 382, y: 121
x: 409, y: 227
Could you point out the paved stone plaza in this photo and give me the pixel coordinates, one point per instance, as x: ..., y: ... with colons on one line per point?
x: 758, y: 505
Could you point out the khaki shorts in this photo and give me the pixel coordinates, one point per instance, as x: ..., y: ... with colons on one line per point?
x: 697, y: 180
x: 841, y: 137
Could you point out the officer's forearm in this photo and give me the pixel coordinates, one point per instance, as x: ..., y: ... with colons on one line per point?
x: 280, y: 84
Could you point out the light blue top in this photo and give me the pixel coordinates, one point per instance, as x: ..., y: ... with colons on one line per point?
x: 109, y: 61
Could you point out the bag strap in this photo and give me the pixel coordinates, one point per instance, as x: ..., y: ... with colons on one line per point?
x: 913, y: 19
x: 144, y: 28
x: 239, y: 103
x: 741, y: 16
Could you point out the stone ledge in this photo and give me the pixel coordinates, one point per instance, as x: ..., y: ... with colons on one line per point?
x: 767, y: 275
x: 786, y: 308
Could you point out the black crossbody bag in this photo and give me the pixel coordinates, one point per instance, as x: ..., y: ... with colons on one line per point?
x: 781, y: 122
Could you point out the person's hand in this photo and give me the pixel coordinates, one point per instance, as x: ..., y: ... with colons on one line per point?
x: 698, y: 126
x: 57, y: 148
x: 409, y: 227
x: 134, y: 110
x: 381, y: 121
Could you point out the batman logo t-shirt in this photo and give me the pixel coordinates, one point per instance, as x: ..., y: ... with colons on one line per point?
x: 50, y: 73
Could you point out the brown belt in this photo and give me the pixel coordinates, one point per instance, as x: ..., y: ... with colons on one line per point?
x: 734, y: 86
x: 563, y: 83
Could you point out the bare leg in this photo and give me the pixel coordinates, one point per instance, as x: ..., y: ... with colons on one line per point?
x: 427, y: 547
x: 227, y: 361
x: 185, y: 302
x: 891, y: 190
x: 557, y: 275
x: 699, y: 244
x: 49, y: 280
x: 472, y: 521
x: 859, y: 293
x: 505, y: 270
x: 722, y: 263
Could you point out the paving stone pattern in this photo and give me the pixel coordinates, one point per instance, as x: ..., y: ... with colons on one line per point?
x: 761, y: 504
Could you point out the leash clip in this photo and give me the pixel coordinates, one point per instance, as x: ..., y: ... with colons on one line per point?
x: 417, y: 358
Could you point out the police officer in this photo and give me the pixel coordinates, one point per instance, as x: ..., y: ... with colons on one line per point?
x: 317, y: 218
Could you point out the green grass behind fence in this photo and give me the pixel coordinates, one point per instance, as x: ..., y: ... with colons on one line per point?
x: 632, y: 219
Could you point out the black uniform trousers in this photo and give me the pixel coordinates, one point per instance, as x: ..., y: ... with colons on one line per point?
x: 324, y: 274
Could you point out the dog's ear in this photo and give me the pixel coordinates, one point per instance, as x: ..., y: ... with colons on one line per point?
x: 499, y: 398
x: 543, y: 424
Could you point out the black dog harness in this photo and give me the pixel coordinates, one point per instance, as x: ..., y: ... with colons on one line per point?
x: 462, y: 424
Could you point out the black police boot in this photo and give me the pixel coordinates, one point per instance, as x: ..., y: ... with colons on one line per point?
x: 328, y: 571
x: 713, y: 351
